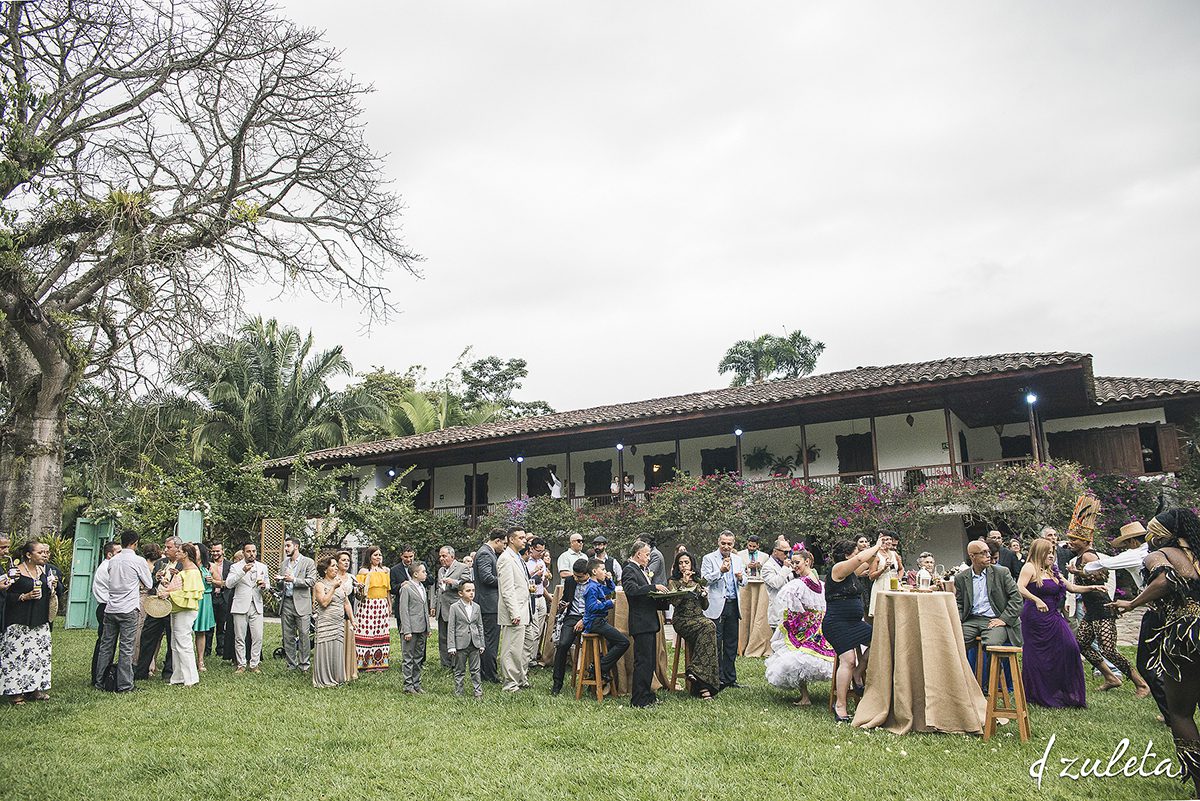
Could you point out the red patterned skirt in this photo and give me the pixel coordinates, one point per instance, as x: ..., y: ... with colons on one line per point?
x: 372, y: 634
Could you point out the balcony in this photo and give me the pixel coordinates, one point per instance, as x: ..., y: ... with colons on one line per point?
x: 900, y: 478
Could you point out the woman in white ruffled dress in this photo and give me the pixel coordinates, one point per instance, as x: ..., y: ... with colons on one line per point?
x: 800, y: 652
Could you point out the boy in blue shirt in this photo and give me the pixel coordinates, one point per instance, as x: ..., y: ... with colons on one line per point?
x: 597, y: 600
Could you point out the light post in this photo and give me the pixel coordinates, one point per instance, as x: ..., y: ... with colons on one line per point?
x: 1035, y: 446
x: 620, y: 473
x: 518, y: 461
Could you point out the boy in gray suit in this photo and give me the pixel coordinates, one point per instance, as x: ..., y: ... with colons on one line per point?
x: 466, y: 638
x: 414, y: 625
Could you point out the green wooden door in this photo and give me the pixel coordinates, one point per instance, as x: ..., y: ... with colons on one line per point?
x: 191, y: 525
x: 90, y: 537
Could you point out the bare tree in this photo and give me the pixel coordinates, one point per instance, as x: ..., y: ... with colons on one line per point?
x: 156, y: 156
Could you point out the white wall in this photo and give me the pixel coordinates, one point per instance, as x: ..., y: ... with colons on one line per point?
x: 903, y: 446
x: 945, y: 539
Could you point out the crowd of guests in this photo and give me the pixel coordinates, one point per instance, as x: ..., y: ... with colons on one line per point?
x: 491, y: 608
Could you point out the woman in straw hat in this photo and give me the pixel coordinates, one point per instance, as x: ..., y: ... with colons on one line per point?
x: 1173, y: 586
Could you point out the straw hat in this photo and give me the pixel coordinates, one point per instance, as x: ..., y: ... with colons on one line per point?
x: 156, y: 607
x: 1130, y: 531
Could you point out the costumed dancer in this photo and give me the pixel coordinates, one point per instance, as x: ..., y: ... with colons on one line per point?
x: 800, y: 652
x: 1172, y: 571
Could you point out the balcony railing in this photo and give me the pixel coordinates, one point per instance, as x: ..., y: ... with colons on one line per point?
x: 899, y: 478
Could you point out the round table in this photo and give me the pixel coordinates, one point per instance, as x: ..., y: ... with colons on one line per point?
x: 918, y: 676
x: 754, y: 632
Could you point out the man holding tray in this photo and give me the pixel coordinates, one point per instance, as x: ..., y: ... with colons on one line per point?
x: 643, y: 622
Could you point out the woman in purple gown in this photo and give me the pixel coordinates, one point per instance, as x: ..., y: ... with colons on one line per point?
x: 1052, y: 667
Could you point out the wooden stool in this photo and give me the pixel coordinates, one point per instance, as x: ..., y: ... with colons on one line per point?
x: 594, y: 646
x: 1014, y: 708
x: 681, y: 645
x: 979, y: 657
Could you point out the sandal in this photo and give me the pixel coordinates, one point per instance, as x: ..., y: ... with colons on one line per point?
x: 41, y: 696
x: 17, y: 700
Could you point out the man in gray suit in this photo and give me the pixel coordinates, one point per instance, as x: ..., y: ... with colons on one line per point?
x: 414, y: 626
x: 296, y: 577
x: 989, y: 604
x: 450, y: 576
x: 466, y: 638
x: 247, y: 580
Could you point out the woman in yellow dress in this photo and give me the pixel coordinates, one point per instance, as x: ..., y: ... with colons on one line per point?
x: 372, y: 622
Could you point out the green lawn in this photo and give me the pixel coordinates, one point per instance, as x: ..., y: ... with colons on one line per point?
x: 274, y: 736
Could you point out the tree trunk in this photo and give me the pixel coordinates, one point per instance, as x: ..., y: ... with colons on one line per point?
x: 39, y: 377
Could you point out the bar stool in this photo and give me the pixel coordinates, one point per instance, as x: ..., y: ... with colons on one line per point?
x: 979, y: 657
x: 1014, y: 707
x: 833, y: 687
x: 681, y: 645
x: 594, y: 646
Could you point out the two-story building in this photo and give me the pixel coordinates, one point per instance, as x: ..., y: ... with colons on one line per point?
x: 896, y: 424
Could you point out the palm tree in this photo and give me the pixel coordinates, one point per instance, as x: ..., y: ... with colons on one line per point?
x: 799, y: 357
x: 268, y: 392
x: 753, y: 361
x: 421, y: 412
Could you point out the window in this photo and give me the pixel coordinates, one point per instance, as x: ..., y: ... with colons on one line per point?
x: 718, y: 460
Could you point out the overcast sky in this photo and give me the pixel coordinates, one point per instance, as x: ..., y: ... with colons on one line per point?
x: 617, y: 191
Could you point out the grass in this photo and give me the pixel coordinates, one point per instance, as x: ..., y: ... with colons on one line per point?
x: 274, y: 736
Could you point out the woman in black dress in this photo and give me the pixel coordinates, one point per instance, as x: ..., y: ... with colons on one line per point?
x: 698, y: 631
x: 1173, y: 586
x: 843, y: 626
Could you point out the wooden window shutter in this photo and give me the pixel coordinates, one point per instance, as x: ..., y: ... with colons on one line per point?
x: 1168, y: 447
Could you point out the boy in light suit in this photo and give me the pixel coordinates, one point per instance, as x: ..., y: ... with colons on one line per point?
x: 414, y: 625
x: 465, y: 643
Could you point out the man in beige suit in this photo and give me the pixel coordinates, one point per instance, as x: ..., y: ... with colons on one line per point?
x: 514, y: 611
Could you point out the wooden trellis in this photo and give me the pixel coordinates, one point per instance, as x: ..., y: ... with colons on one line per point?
x: 270, y: 546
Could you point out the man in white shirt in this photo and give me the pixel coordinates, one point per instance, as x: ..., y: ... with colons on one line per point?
x: 126, y: 574
x: 555, y: 486
x: 247, y: 582
x: 100, y: 592
x: 568, y: 557
x: 776, y: 572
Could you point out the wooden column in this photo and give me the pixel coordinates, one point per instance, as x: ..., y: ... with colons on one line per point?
x: 432, y: 492
x: 678, y: 458
x: 569, y: 492
x: 518, y: 464
x: 474, y: 494
x: 874, y: 452
x: 804, y: 450
x: 1034, y: 448
x: 950, y: 438
x: 621, y: 476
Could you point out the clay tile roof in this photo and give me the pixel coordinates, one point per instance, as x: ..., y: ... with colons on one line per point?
x: 1115, y: 390
x: 825, y: 384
